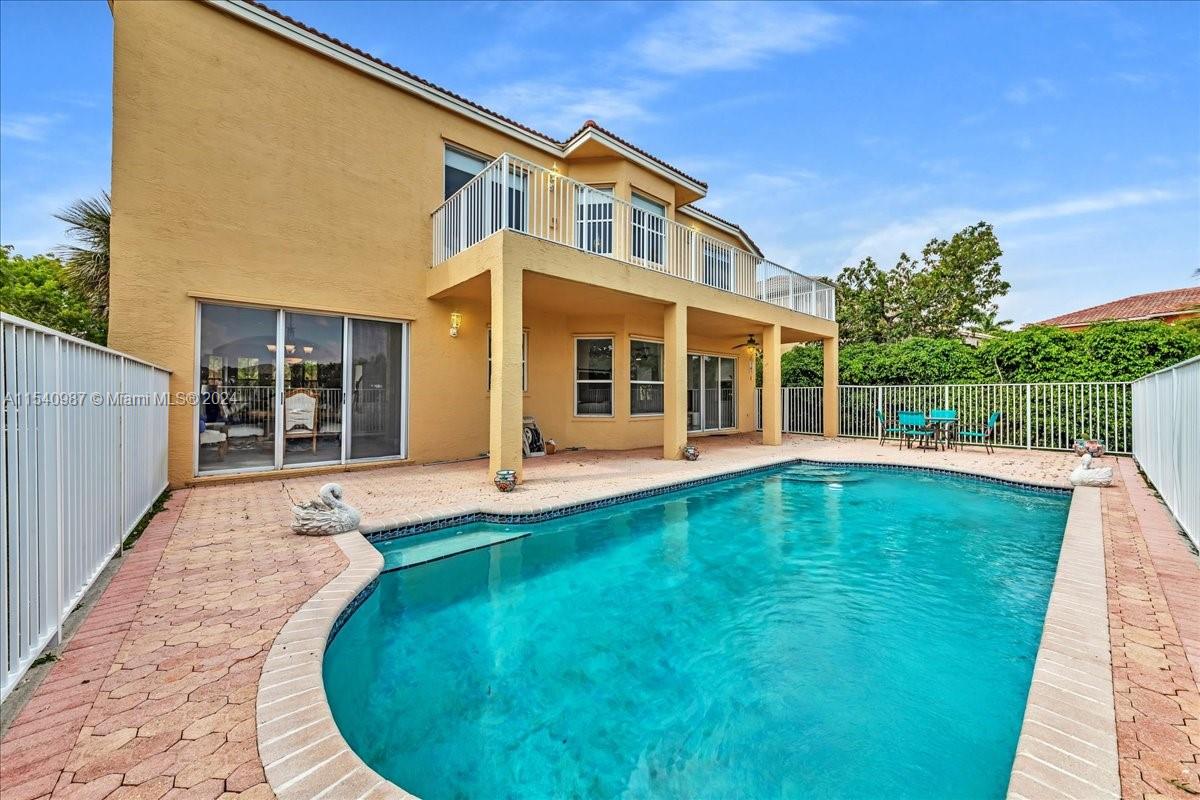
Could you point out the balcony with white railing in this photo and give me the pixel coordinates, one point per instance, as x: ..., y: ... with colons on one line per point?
x: 514, y: 194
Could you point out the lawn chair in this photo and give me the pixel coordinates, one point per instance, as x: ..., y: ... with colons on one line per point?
x: 914, y: 427
x: 884, y: 430
x: 984, y: 437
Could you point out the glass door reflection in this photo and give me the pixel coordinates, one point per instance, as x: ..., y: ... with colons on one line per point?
x: 376, y: 389
x: 236, y: 428
x: 312, y: 388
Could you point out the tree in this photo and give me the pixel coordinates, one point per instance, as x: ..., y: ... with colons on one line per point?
x: 954, y: 286
x: 37, y: 289
x: 86, y: 264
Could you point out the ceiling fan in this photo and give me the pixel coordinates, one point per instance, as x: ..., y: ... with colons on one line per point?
x: 751, y: 345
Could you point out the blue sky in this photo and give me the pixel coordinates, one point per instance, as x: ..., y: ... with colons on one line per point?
x: 829, y: 132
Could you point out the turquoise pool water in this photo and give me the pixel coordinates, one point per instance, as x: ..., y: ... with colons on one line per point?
x: 809, y: 632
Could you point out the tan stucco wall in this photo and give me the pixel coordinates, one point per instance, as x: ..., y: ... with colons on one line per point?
x: 248, y: 169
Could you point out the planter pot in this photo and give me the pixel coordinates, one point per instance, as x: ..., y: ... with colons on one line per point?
x: 690, y: 452
x: 506, y: 480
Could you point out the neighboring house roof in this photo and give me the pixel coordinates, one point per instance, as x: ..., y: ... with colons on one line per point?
x: 1139, y: 306
x: 237, y: 6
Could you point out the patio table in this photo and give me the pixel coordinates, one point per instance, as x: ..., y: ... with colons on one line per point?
x: 943, y: 421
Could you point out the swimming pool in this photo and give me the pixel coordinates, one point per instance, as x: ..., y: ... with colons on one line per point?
x: 809, y: 631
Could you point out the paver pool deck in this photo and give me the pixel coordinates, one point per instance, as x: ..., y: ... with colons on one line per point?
x: 155, y: 696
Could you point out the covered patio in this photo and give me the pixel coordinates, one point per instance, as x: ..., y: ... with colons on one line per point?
x: 537, y: 306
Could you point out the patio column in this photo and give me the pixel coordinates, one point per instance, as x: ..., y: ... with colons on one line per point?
x: 772, y: 397
x: 829, y: 387
x: 674, y: 381
x: 506, y: 437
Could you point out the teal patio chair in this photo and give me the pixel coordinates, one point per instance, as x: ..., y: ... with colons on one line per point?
x: 984, y: 437
x: 884, y: 430
x: 913, y: 427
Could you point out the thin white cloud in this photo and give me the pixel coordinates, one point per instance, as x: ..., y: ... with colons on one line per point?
x: 699, y: 37
x: 1029, y: 91
x: 1088, y: 204
x: 887, y: 242
x: 28, y: 127
x: 560, y: 108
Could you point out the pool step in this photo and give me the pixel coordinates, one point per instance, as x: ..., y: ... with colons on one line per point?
x: 405, y: 557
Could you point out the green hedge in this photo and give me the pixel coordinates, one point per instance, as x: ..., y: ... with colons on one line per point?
x: 1111, y: 351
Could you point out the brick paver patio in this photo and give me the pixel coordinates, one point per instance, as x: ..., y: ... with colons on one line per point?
x: 155, y: 695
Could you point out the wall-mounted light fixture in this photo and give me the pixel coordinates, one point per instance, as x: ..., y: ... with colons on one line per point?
x: 455, y: 322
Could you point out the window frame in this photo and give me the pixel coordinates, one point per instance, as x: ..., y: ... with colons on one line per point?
x: 447, y: 147
x: 524, y: 360
x: 612, y: 401
x: 641, y: 232
x: 716, y: 260
x: 583, y: 202
x: 633, y: 382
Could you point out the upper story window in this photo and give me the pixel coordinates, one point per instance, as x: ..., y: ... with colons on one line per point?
x: 718, y: 264
x: 460, y: 167
x: 649, y: 230
x: 594, y: 219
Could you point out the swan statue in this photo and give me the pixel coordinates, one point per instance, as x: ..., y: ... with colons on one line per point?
x: 326, y: 515
x: 1086, y: 475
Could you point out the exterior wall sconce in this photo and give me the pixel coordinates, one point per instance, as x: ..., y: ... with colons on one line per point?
x: 455, y: 323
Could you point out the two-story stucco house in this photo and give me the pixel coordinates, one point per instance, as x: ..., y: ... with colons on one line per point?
x: 346, y: 264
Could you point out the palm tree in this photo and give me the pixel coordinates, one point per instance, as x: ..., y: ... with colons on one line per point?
x: 86, y: 264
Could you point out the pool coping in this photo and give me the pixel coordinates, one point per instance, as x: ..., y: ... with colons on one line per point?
x: 305, y: 756
x: 1068, y: 742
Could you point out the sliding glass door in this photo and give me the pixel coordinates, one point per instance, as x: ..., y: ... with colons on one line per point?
x: 312, y: 388
x: 236, y: 426
x: 711, y: 399
x: 377, y: 383
x: 274, y: 390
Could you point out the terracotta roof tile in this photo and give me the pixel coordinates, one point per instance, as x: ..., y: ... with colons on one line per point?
x: 757, y: 250
x: 1139, y: 306
x: 591, y: 123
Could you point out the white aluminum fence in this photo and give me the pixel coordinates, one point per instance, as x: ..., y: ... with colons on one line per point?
x: 83, y: 455
x: 514, y: 194
x: 1040, y: 416
x: 1166, y: 436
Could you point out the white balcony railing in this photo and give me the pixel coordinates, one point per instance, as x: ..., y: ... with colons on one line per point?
x: 511, y: 193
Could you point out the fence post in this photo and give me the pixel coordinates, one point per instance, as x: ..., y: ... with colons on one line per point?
x: 879, y: 408
x: 1028, y: 417
x: 60, y: 553
x: 121, y: 427
x: 503, y: 192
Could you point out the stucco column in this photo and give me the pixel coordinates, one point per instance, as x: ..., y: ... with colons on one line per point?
x: 507, y: 400
x: 829, y: 384
x: 772, y: 400
x: 674, y: 380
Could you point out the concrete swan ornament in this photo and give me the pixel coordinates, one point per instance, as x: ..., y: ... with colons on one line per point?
x: 326, y: 515
x: 1086, y: 475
